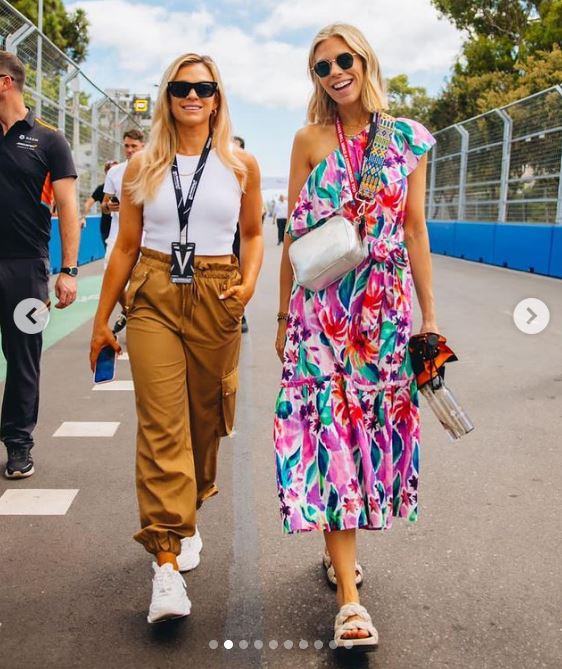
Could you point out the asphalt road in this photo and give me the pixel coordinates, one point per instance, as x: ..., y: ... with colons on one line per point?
x: 476, y: 583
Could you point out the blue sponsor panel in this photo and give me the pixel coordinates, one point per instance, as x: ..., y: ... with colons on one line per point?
x: 475, y: 241
x: 91, y: 245
x: 525, y: 247
x: 555, y: 264
x: 530, y: 248
x: 442, y: 237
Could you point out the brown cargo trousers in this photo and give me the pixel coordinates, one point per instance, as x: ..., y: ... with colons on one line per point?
x: 183, y: 345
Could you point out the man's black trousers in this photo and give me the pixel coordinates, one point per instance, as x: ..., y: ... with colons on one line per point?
x: 20, y: 278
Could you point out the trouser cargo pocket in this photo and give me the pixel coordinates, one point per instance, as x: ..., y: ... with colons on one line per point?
x: 229, y: 386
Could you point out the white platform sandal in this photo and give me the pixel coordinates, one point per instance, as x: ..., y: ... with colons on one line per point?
x: 331, y: 572
x: 343, y: 625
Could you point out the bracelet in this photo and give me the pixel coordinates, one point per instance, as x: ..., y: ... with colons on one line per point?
x: 282, y: 316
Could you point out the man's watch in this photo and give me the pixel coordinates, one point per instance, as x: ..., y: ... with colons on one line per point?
x: 71, y: 271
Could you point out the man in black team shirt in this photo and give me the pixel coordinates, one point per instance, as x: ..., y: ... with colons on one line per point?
x: 36, y: 169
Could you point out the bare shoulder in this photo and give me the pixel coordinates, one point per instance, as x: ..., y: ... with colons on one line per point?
x: 133, y: 166
x: 247, y: 159
x: 314, y: 142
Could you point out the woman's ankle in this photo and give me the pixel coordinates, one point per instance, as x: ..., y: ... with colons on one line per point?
x: 164, y: 557
x: 347, y: 595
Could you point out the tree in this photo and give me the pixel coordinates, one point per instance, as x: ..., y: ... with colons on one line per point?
x: 512, y: 47
x: 67, y: 30
x: 407, y: 100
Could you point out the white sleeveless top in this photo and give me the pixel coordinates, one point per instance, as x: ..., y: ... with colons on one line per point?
x: 214, y: 215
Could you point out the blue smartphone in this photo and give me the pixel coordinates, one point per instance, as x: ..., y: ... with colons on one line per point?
x: 105, y: 365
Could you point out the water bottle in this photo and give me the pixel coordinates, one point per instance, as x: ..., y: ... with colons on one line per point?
x: 449, y: 412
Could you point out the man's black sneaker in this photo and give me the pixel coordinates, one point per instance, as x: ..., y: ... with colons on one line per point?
x: 20, y: 463
x: 120, y: 323
x: 245, y: 327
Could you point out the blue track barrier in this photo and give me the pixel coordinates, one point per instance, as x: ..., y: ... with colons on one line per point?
x: 530, y: 248
x: 91, y: 245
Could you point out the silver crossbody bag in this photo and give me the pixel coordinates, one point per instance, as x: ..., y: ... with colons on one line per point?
x: 333, y: 249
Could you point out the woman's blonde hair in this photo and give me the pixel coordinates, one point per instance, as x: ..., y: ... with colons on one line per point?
x: 162, y: 146
x: 321, y: 108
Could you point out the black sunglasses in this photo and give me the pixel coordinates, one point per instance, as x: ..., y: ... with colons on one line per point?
x: 324, y: 67
x: 203, y: 89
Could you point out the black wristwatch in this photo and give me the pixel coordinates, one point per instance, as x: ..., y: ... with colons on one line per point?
x: 71, y: 271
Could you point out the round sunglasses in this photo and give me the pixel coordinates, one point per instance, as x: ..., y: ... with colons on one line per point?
x: 324, y: 67
x: 203, y: 89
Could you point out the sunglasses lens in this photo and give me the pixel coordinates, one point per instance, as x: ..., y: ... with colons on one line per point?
x: 345, y: 60
x: 322, y: 68
x: 179, y: 89
x: 205, y: 89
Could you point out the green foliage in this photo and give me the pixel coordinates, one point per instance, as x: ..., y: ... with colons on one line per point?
x: 408, y: 101
x: 68, y: 30
x: 512, y: 50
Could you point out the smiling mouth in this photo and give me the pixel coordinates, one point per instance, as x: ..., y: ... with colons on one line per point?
x: 191, y: 107
x: 341, y: 85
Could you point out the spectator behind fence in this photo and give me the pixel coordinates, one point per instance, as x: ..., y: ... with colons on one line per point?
x: 36, y: 170
x: 97, y: 196
x: 186, y: 298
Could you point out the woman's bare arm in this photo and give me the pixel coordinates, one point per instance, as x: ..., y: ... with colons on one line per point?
x: 417, y: 242
x: 251, y: 232
x: 300, y: 169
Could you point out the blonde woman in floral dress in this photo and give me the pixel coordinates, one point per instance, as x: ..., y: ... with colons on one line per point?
x: 347, y: 418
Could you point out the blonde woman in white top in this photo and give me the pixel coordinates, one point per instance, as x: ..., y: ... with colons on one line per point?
x: 183, y: 328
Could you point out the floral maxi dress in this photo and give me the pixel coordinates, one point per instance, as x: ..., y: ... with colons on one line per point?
x: 346, y: 424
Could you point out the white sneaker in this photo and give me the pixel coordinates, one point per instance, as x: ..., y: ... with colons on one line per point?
x: 169, y: 598
x: 190, y: 548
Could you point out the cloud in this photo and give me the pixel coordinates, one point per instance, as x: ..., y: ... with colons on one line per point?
x: 264, y: 64
x: 408, y: 37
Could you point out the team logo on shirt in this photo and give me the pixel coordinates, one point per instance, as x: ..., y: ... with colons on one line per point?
x: 27, y: 142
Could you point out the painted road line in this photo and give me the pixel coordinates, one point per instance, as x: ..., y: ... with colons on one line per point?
x: 36, y: 502
x: 64, y: 321
x: 114, y: 385
x: 87, y: 429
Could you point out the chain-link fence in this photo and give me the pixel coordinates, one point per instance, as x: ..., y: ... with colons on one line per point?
x: 62, y: 95
x: 503, y: 166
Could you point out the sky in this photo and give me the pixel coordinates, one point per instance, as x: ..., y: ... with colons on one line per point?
x: 261, y: 48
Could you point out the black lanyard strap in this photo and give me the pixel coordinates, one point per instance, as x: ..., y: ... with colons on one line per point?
x: 184, y: 209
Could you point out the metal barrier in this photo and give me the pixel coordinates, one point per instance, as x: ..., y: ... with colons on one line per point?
x: 502, y: 166
x: 62, y: 95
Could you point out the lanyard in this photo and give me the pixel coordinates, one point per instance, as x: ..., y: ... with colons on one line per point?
x: 184, y: 210
x: 347, y: 158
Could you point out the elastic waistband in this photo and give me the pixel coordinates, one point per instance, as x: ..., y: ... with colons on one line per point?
x: 218, y: 270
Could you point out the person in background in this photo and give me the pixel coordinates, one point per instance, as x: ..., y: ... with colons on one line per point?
x: 186, y: 298
x: 36, y: 169
x: 133, y: 141
x: 281, y: 213
x: 97, y: 196
x: 240, y: 143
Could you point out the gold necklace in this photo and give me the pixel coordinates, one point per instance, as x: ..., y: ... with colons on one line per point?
x: 355, y: 129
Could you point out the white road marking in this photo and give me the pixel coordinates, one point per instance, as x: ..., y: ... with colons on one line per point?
x: 36, y: 502
x: 114, y: 385
x: 87, y: 429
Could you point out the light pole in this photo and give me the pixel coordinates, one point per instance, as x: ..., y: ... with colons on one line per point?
x: 39, y: 74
